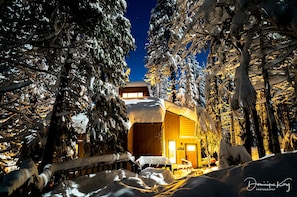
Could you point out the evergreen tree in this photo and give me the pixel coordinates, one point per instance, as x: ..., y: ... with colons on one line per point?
x: 199, y: 76
x: 191, y: 84
x: 58, y: 59
x: 161, y: 64
x: 237, y: 32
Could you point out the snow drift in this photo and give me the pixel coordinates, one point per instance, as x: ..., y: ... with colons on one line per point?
x: 270, y: 176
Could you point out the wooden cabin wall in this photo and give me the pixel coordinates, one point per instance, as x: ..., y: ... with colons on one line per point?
x: 173, y: 124
x: 130, y: 140
x: 147, y: 139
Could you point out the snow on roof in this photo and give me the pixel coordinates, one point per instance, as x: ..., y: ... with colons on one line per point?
x: 146, y: 110
x: 152, y: 110
x: 182, y: 111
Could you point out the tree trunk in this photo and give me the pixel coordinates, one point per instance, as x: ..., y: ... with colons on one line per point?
x: 216, y: 110
x: 173, y: 82
x: 232, y: 130
x: 56, y: 123
x: 284, y: 117
x: 232, y: 134
x: 272, y: 125
x: 248, y: 142
x: 295, y: 82
x: 260, y: 144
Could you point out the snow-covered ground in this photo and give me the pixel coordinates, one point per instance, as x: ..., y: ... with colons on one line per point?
x: 270, y: 176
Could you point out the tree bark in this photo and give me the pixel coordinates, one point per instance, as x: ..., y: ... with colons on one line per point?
x: 173, y: 83
x: 14, y: 86
x: 260, y: 144
x: 56, y: 124
x: 295, y: 82
x: 248, y: 142
x: 272, y: 125
x: 217, y: 102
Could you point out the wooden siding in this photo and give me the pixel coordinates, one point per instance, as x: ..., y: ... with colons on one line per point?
x: 172, y: 126
x: 147, y: 139
x: 130, y: 140
x: 187, y: 127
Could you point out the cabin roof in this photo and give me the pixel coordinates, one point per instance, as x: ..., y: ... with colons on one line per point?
x: 136, y: 84
x: 153, y: 110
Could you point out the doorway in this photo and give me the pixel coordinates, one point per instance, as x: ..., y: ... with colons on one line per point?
x: 191, y: 154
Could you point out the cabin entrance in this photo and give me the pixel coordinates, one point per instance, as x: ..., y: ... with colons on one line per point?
x: 191, y: 154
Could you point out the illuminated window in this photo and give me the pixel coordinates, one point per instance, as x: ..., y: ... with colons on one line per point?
x: 133, y: 95
x: 172, y: 151
x: 191, y: 147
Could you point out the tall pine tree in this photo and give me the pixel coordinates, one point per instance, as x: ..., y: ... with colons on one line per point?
x: 161, y: 64
x: 58, y: 59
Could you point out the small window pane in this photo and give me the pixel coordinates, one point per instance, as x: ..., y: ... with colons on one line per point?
x: 172, y: 151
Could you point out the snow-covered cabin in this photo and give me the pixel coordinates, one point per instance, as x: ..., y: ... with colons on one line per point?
x: 159, y: 127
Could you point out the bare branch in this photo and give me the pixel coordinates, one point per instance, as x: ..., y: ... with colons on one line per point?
x: 14, y: 86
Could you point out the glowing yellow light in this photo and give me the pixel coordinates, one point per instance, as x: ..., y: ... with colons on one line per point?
x: 133, y: 95
x: 191, y: 147
x: 172, y: 152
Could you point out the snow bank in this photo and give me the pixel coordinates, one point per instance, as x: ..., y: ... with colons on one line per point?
x: 106, y: 183
x: 272, y: 176
x: 161, y: 176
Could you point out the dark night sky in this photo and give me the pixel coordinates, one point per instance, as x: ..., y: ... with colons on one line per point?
x: 138, y: 12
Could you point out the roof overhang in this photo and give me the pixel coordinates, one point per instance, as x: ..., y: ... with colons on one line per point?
x: 153, y: 110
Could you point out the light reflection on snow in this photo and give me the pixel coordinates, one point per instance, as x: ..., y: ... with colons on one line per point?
x: 139, y: 182
x: 158, y: 178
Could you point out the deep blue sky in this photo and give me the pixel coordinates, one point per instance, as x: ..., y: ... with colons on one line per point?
x: 138, y: 12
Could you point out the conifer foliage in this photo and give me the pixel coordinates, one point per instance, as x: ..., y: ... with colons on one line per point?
x: 58, y: 59
x: 161, y: 64
x: 251, y: 66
